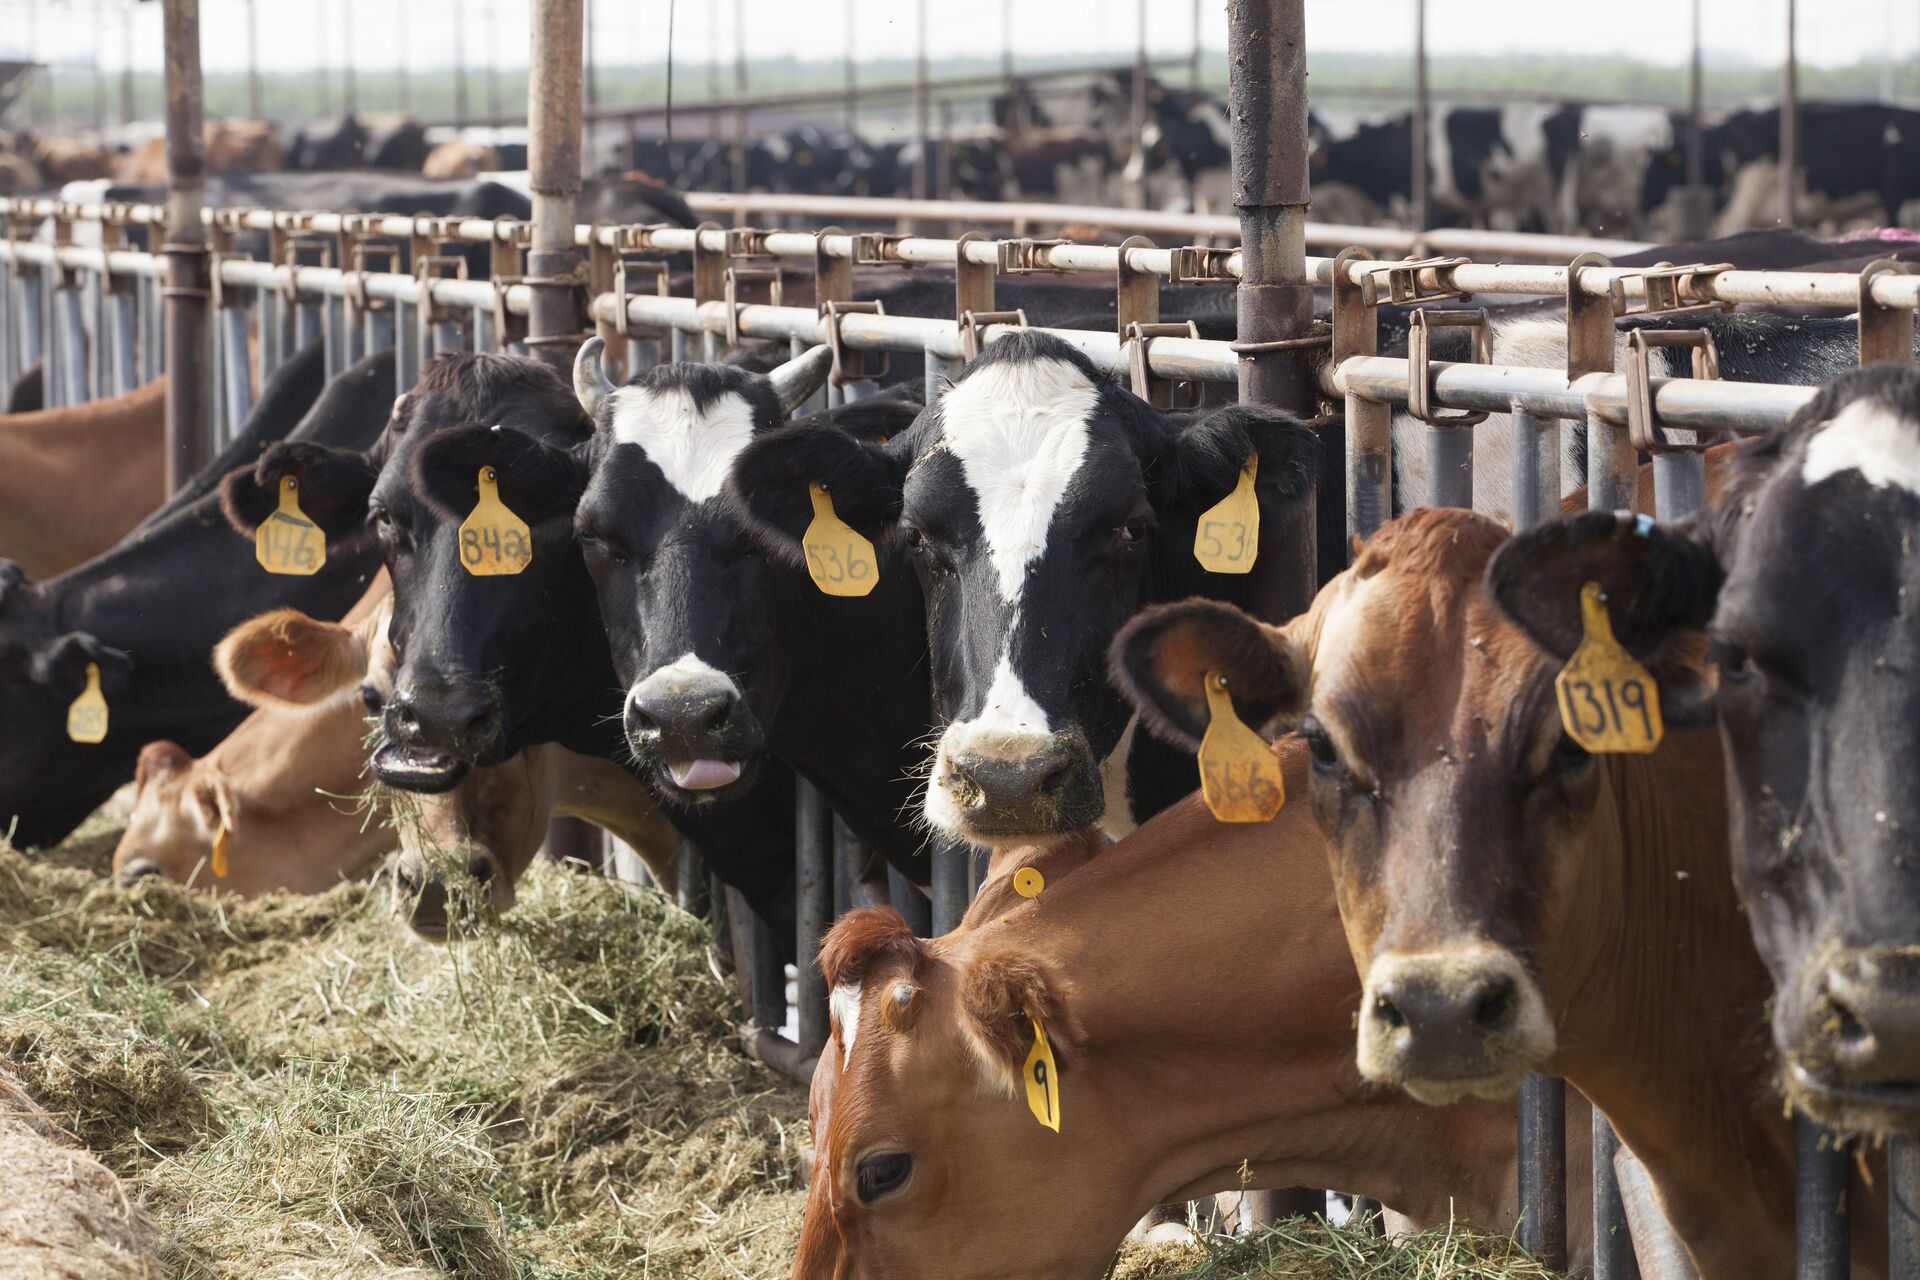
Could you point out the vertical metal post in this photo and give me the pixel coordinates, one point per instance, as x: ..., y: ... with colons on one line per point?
x: 592, y: 140
x: 99, y: 70
x: 1536, y: 468
x: 1613, y: 1257
x: 1790, y: 122
x: 253, y: 62
x: 1006, y: 42
x: 739, y: 93
x: 189, y: 346
x: 9, y: 328
x: 553, y: 158
x: 922, y: 171
x: 695, y: 898
x: 32, y: 345
x: 1819, y: 1203
x: 126, y: 61
x: 851, y: 72
x: 71, y: 331
x: 493, y: 63
x: 1543, y: 1167
x: 1449, y: 466
x: 951, y: 885
x: 403, y: 86
x: 460, y: 70
x: 1903, y: 1209
x: 1193, y: 66
x: 814, y: 866
x: 349, y: 87
x: 1422, y: 213
x: 1679, y: 484
x: 1694, y: 212
x: 912, y: 904
x: 238, y: 376
x: 1136, y: 193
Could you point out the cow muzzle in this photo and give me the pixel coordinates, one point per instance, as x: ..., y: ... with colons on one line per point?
x: 1850, y: 1043
x: 1002, y: 790
x: 442, y: 895
x: 1445, y: 1025
x: 695, y: 731
x: 433, y: 732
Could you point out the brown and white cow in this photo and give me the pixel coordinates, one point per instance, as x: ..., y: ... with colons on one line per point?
x: 1514, y: 903
x: 1171, y: 1083
x: 74, y: 481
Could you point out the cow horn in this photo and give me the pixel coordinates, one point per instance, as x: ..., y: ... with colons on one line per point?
x: 796, y: 380
x: 590, y: 381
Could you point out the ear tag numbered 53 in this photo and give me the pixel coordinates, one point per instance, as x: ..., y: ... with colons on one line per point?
x: 839, y: 560
x: 1239, y: 774
x: 1608, y: 702
x: 493, y: 540
x: 87, y: 716
x: 1042, y: 1078
x: 288, y: 542
x: 1228, y: 537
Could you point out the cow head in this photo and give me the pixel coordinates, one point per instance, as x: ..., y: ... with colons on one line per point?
x: 1804, y: 584
x: 1463, y: 824
x: 690, y: 610
x: 1042, y: 506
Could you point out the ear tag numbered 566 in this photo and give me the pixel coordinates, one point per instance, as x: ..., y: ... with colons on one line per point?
x: 1042, y: 1078
x: 87, y: 715
x: 493, y: 540
x: 1228, y: 536
x: 839, y: 560
x: 287, y: 541
x: 1608, y: 702
x: 1239, y: 774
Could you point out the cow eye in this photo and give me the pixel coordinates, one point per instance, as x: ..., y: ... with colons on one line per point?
x: 881, y: 1175
x: 1320, y: 744
x: 595, y: 547
x: 1130, y: 534
x: 1568, y: 754
x: 914, y: 535
x: 1736, y: 666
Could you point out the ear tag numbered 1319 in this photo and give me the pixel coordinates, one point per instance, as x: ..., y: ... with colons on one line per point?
x: 287, y: 541
x: 1608, y: 702
x: 1042, y: 1078
x: 87, y: 716
x: 493, y: 540
x: 1228, y: 536
x: 1239, y: 774
x: 839, y: 560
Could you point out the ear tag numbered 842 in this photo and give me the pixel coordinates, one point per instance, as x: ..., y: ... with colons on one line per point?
x: 839, y: 560
x: 1042, y: 1078
x: 87, y: 715
x: 287, y: 541
x: 1228, y: 536
x: 1608, y: 702
x: 493, y: 540
x: 1239, y: 774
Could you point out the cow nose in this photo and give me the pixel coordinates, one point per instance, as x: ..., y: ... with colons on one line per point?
x: 1447, y: 1025
x: 461, y: 718
x: 134, y: 872
x: 1046, y: 790
x: 1432, y: 1011
x: 1866, y: 1022
x: 690, y: 714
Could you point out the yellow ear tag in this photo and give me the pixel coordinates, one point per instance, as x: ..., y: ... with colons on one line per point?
x: 220, y: 852
x: 1608, y: 702
x: 87, y: 716
x: 1228, y: 538
x: 1042, y: 1078
x: 493, y: 540
x: 839, y: 560
x: 1028, y: 882
x: 288, y: 542
x: 1239, y: 774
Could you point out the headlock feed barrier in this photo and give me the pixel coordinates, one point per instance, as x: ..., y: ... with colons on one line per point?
x: 423, y: 285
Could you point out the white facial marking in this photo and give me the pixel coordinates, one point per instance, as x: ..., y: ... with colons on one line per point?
x: 685, y: 672
x: 844, y: 1005
x: 1870, y: 438
x: 1117, y: 820
x: 1009, y: 723
x: 693, y: 449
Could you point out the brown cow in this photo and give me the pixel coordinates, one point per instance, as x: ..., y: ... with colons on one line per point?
x: 460, y: 159
x: 74, y: 481
x: 1514, y: 903
x: 1172, y: 1084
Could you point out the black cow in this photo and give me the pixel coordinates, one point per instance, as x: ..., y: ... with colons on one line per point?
x: 149, y: 611
x: 1041, y: 506
x: 1804, y: 583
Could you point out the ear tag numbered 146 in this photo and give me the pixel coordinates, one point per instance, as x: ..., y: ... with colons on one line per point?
x: 1042, y: 1078
x: 1608, y: 702
x: 287, y: 541
x: 839, y: 559
x: 1228, y: 536
x: 1239, y: 774
x: 493, y: 540
x: 87, y: 715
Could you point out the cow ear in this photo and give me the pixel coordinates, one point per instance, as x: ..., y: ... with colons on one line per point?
x: 61, y: 666
x: 160, y: 759
x: 1205, y: 456
x: 285, y: 658
x: 537, y: 481
x: 768, y: 486
x: 1161, y: 658
x: 334, y: 487
x: 1001, y: 994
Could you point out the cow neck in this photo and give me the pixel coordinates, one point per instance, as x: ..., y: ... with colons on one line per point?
x: 47, y: 458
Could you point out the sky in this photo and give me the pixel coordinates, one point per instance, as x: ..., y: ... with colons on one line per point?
x: 300, y: 34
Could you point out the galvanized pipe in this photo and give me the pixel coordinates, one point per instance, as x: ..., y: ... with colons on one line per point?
x: 1369, y: 448
x: 71, y: 331
x: 234, y: 362
x: 1903, y: 1209
x: 123, y: 340
x: 9, y: 327
x: 28, y: 315
x: 814, y: 876
x: 189, y: 341
x: 1543, y: 1169
x: 1449, y: 466
x: 1613, y: 1257
x: 1679, y: 484
x: 914, y: 906
x: 1819, y: 1203
x: 952, y: 885
x: 1422, y: 118
x: 1536, y: 468
x: 1612, y: 466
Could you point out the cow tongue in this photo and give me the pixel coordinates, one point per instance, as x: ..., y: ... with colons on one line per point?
x: 703, y: 775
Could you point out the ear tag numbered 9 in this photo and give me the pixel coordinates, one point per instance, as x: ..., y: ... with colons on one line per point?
x: 1042, y: 1078
x: 839, y: 560
x: 1239, y: 774
x: 220, y: 851
x: 1228, y: 536
x: 1028, y: 882
x: 1608, y: 702
x: 87, y: 716
x: 288, y: 542
x: 493, y: 540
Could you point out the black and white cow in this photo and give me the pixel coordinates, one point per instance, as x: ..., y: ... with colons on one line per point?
x: 1041, y: 506
x: 1804, y: 584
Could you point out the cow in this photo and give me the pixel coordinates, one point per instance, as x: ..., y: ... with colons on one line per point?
x: 1170, y: 1085
x: 148, y: 613
x: 74, y: 481
x: 1799, y: 580
x: 1041, y: 505
x: 728, y: 656
x: 1512, y: 902
x: 488, y: 666
x: 457, y: 158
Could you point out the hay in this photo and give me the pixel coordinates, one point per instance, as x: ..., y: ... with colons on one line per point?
x: 1313, y: 1249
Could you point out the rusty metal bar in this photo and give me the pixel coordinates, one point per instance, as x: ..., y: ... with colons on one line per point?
x: 553, y: 158
x: 188, y: 296
x: 814, y: 864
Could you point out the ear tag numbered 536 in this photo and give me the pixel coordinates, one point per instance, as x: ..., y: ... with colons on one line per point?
x: 839, y: 560
x: 1228, y: 536
x: 287, y: 541
x: 1042, y: 1078
x: 1608, y: 702
x: 87, y: 715
x: 1239, y: 774
x: 493, y: 540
